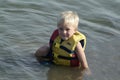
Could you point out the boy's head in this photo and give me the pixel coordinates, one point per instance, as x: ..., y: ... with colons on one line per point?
x: 67, y: 24
x: 68, y: 18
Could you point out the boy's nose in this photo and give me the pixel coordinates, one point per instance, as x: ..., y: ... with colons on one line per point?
x: 64, y: 31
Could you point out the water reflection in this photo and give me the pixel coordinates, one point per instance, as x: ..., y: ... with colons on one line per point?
x: 64, y: 73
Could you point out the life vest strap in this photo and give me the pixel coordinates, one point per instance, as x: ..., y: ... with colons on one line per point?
x: 67, y: 58
x: 66, y: 49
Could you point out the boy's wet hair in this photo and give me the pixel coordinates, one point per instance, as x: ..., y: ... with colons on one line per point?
x: 68, y: 18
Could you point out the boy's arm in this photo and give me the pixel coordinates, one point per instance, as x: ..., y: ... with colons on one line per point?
x: 53, y: 36
x: 81, y: 56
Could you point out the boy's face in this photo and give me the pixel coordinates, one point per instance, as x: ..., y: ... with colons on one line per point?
x: 65, y: 31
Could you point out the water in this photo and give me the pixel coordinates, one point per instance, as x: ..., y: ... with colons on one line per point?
x: 25, y: 25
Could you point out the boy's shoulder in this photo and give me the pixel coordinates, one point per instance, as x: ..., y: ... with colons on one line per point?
x: 79, y: 33
x: 55, y: 31
x: 54, y: 34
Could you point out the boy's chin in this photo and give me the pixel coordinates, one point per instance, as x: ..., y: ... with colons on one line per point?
x: 64, y: 38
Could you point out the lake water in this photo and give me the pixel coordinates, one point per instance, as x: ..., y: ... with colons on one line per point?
x: 25, y: 25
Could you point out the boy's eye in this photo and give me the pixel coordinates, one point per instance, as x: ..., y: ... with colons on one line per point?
x: 64, y: 29
x: 61, y: 29
x: 67, y: 29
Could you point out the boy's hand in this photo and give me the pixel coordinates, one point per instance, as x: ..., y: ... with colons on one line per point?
x: 86, y: 71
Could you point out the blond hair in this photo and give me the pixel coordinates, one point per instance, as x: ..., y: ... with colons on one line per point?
x: 69, y: 18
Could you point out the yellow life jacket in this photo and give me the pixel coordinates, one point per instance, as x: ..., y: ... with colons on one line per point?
x: 64, y: 53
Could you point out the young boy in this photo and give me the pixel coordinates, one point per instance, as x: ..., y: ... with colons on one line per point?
x: 67, y: 44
